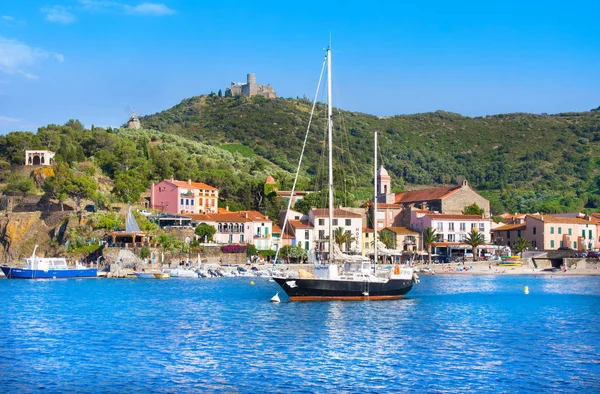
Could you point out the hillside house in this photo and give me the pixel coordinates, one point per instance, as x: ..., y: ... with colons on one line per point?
x: 180, y: 197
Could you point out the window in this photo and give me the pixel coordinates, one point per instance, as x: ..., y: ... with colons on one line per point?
x: 518, y: 233
x: 306, y: 244
x: 366, y: 245
x: 551, y: 230
x: 192, y: 203
x: 450, y: 226
x: 574, y: 245
x: 561, y: 244
x: 463, y: 227
x: 508, y: 234
x: 440, y: 226
x: 182, y: 201
x: 450, y: 237
x: 306, y: 234
x: 583, y: 234
x: 534, y: 244
x: 220, y: 227
x: 348, y: 222
x: 230, y: 238
x: 590, y: 234
x: 552, y: 243
x: 473, y: 225
x: 570, y: 231
x: 241, y: 238
x: 535, y: 231
x: 335, y: 222
x: 560, y: 230
x: 321, y: 222
x: 482, y: 227
x: 321, y: 234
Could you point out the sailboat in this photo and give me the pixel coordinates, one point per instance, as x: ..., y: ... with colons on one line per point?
x: 346, y: 277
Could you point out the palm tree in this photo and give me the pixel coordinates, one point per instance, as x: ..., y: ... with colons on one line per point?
x: 521, y: 244
x: 429, y: 237
x: 388, y: 239
x: 342, y: 236
x: 475, y: 239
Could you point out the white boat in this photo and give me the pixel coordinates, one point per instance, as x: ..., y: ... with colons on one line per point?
x: 183, y: 273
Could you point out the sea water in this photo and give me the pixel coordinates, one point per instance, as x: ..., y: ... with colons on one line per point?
x: 451, y: 333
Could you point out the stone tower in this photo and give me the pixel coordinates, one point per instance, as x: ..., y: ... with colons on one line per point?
x: 251, y: 88
x: 384, y: 192
x: 134, y: 122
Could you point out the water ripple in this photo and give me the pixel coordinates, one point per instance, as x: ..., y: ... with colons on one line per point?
x: 467, y: 334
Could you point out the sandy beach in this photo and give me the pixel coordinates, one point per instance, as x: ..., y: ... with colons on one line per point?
x: 487, y: 268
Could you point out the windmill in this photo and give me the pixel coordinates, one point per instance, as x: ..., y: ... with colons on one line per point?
x: 133, y: 122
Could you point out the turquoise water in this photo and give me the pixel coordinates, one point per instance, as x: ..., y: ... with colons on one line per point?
x: 453, y: 333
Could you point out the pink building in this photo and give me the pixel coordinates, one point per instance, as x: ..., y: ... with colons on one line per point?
x: 179, y: 197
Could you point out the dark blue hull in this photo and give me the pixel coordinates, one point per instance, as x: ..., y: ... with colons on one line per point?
x: 23, y: 273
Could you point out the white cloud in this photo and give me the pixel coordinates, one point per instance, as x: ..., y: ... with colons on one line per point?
x: 155, y: 9
x: 7, y: 18
x: 14, y: 55
x: 58, y: 14
x: 6, y: 119
x: 151, y: 9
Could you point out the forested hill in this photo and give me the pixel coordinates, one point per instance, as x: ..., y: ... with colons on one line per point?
x: 525, y: 162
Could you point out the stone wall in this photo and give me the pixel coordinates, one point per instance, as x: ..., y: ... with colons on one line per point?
x: 456, y: 202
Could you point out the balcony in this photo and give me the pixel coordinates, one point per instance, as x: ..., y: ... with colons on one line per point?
x: 187, y: 195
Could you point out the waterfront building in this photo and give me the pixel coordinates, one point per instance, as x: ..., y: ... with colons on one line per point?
x: 272, y: 186
x: 406, y: 239
x: 450, y: 228
x: 368, y: 236
x: 243, y: 227
x: 551, y: 232
x: 351, y: 222
x: 182, y: 197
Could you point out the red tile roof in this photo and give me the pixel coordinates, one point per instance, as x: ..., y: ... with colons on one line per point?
x: 437, y: 193
x: 255, y: 216
x: 367, y: 230
x: 199, y: 217
x: 402, y: 230
x: 552, y: 219
x: 337, y: 213
x: 299, y: 224
x: 510, y: 227
x: 456, y: 217
x: 388, y: 206
x: 276, y: 229
x: 195, y: 185
x: 270, y: 180
x: 228, y: 217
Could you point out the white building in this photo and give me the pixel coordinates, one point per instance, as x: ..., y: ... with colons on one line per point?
x: 349, y: 221
x: 450, y: 228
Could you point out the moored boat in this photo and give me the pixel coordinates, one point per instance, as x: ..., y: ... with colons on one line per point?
x: 152, y: 275
x: 48, y: 268
x: 356, y: 278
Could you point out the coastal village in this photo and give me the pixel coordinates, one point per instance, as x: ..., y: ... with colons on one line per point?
x: 402, y: 220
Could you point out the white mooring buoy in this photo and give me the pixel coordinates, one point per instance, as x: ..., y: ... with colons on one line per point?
x: 526, y: 290
x: 276, y: 298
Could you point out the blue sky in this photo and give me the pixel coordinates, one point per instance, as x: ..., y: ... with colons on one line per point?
x: 93, y: 60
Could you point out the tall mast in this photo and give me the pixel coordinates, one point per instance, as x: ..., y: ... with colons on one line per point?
x: 375, y: 206
x: 330, y: 142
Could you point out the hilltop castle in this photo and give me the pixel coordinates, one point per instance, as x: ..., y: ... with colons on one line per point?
x: 251, y: 88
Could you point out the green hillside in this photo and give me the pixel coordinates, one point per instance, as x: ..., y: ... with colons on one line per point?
x: 522, y: 162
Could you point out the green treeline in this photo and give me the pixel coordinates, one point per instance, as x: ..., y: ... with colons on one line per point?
x: 521, y: 162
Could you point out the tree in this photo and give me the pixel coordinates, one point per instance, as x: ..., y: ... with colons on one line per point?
x: 64, y: 183
x: 473, y: 209
x: 521, y: 244
x: 129, y: 185
x: 341, y: 237
x: 388, y: 238
x: 19, y: 183
x: 205, y: 232
x: 220, y: 93
x: 429, y: 237
x: 294, y: 253
x: 475, y: 239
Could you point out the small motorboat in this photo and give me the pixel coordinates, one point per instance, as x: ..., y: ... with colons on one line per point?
x: 152, y: 275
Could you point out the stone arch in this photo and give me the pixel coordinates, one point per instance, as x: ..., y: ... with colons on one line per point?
x: 36, y: 160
